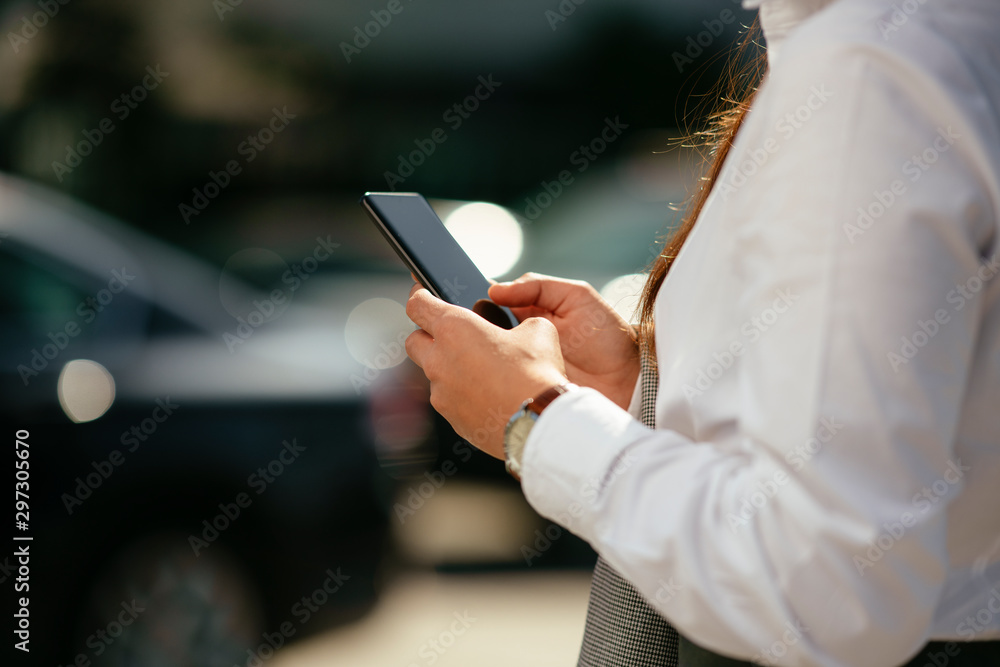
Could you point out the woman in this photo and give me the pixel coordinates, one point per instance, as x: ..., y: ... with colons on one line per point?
x: 820, y: 487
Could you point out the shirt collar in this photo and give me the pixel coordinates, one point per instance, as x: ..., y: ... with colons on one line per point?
x: 779, y: 17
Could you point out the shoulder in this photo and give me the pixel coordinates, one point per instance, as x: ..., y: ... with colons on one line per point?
x: 950, y: 43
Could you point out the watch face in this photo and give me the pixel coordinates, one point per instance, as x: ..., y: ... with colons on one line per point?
x: 520, y: 429
x: 518, y: 436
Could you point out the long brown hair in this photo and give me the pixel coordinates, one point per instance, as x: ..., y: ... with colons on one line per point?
x: 734, y: 92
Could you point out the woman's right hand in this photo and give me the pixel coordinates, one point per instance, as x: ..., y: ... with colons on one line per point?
x: 598, y: 346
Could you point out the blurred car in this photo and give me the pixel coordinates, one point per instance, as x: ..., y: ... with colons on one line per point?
x: 199, y: 447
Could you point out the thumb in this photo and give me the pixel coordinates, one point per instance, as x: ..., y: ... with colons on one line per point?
x: 543, y: 292
x: 514, y: 293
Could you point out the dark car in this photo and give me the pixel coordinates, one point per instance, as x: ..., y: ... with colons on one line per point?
x: 202, y: 469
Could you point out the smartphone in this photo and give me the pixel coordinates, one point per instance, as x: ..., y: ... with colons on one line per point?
x: 429, y: 250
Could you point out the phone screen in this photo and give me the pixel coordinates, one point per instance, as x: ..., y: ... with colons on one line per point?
x: 429, y: 250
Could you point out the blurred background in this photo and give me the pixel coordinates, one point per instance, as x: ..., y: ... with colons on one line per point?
x: 232, y: 462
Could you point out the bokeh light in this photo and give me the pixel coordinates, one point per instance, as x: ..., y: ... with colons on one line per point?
x: 375, y: 332
x: 86, y: 390
x: 623, y: 294
x: 489, y: 234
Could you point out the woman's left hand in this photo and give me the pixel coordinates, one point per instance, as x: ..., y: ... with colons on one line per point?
x: 479, y: 373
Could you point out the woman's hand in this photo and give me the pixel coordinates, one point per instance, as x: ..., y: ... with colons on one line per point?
x: 479, y: 373
x: 598, y: 347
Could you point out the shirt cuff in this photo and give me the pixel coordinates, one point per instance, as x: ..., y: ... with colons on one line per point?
x: 576, y: 444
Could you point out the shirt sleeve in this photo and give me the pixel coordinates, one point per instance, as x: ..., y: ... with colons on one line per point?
x: 820, y: 537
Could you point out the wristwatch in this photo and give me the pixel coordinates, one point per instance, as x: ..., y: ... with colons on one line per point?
x: 520, y: 424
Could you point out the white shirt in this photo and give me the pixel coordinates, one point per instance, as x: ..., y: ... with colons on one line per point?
x: 823, y: 485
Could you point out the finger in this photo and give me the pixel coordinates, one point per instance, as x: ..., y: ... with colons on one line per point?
x: 543, y: 292
x: 414, y: 289
x: 425, y: 309
x: 523, y: 313
x: 418, y: 345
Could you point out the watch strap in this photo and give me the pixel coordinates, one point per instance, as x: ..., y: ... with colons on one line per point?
x: 534, y: 406
x: 540, y: 402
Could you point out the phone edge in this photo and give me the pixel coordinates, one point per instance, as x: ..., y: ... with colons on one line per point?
x: 398, y: 247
